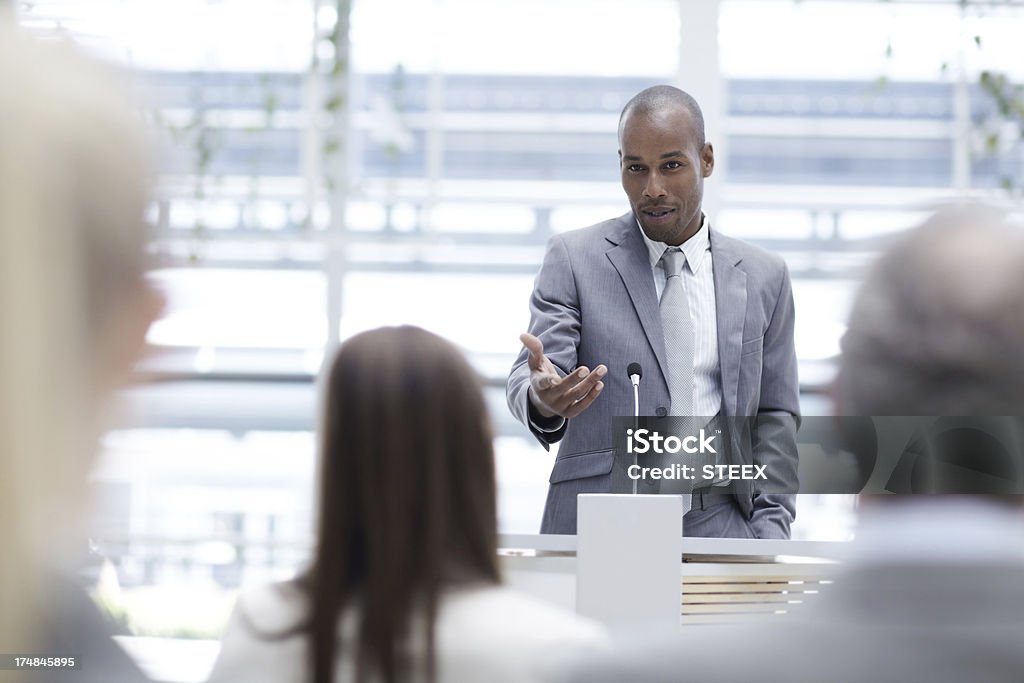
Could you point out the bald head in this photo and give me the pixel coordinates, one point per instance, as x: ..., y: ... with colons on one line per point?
x: 938, y: 326
x: 663, y: 99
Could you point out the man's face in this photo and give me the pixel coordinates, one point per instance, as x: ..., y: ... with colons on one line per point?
x: 663, y: 171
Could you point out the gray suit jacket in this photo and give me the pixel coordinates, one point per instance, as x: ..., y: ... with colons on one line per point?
x: 594, y: 301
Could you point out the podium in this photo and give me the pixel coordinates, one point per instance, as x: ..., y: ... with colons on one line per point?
x: 627, y: 558
x: 716, y: 579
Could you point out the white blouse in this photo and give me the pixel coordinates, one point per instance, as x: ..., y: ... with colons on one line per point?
x: 492, y: 634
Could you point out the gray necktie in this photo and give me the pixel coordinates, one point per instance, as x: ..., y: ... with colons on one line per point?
x: 678, y: 328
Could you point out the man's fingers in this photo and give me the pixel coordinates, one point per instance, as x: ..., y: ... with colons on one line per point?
x: 582, y: 404
x: 535, y: 348
x: 585, y: 381
x: 545, y: 381
x: 570, y: 384
x: 547, y: 378
x: 577, y: 387
x: 570, y: 395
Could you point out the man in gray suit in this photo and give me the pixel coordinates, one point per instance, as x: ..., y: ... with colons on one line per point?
x: 595, y: 310
x: 933, y: 589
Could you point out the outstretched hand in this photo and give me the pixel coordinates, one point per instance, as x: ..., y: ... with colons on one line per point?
x: 552, y: 394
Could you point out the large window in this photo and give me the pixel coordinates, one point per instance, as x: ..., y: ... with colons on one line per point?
x: 311, y: 189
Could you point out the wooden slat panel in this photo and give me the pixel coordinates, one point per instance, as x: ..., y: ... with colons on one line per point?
x: 709, y: 598
x: 746, y: 608
x: 750, y: 588
x: 766, y: 578
x: 759, y: 570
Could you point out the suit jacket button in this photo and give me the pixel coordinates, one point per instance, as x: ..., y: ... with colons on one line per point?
x: 662, y: 411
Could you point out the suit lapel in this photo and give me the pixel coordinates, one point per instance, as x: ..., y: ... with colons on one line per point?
x: 630, y: 258
x: 731, y: 308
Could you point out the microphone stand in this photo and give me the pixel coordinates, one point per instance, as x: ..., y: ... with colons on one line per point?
x: 635, y: 372
x: 636, y: 421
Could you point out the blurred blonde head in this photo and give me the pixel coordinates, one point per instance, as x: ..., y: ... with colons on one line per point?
x: 74, y: 306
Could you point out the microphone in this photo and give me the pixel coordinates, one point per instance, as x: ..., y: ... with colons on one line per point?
x: 635, y: 372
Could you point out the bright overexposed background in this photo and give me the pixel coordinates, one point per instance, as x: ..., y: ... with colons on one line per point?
x: 472, y: 131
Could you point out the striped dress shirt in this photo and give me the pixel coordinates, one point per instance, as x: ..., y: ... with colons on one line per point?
x: 699, y: 281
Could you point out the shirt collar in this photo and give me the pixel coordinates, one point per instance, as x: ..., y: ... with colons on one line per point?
x: 695, y: 248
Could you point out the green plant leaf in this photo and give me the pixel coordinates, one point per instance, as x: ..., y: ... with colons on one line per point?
x: 991, y: 142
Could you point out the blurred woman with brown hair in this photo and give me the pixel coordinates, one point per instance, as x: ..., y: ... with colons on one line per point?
x: 404, y: 583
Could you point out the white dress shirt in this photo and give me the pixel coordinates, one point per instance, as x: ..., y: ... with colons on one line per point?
x: 699, y: 282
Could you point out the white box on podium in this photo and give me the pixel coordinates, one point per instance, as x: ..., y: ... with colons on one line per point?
x: 629, y: 550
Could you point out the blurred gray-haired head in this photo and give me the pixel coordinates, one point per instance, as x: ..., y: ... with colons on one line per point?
x: 937, y: 328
